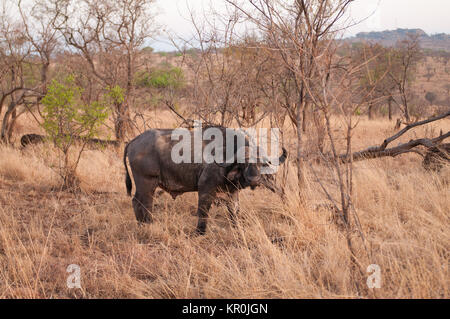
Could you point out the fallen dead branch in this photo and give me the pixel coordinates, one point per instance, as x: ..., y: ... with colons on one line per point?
x: 436, y: 156
x: 29, y: 139
x: 409, y: 147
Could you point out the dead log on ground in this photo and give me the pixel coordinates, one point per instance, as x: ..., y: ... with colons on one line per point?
x: 94, y: 143
x: 432, y: 145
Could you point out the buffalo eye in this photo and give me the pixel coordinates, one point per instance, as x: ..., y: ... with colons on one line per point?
x: 234, y: 174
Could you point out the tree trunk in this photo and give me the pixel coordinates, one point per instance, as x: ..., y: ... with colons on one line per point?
x: 122, y: 125
x: 390, y: 108
x: 408, y: 119
x: 11, y: 124
x: 300, y: 174
x: 8, y: 123
x: 304, y: 120
x: 320, y: 129
x: 370, y: 111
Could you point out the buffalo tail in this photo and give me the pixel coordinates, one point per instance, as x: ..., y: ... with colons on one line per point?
x: 128, y: 182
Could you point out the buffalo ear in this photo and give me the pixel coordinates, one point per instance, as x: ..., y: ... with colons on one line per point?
x: 234, y: 173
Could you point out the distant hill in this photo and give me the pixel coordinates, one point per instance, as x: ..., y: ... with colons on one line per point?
x: 439, y: 41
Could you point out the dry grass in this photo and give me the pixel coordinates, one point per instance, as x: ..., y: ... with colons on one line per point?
x: 279, y: 249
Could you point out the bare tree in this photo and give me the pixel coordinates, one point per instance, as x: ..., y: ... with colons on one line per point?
x: 226, y: 70
x: 341, y: 94
x: 26, y: 49
x: 299, y: 31
x: 404, y: 59
x: 303, y: 34
x: 108, y: 34
x: 373, y: 76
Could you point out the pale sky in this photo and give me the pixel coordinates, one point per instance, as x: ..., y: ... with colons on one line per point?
x: 433, y: 16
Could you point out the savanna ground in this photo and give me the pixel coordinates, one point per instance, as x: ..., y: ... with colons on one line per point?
x: 279, y: 249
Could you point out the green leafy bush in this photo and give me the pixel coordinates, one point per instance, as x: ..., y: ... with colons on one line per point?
x: 162, y: 78
x: 148, y: 50
x: 67, y: 119
x: 116, y: 95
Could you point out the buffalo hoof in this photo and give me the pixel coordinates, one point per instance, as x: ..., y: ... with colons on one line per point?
x: 200, y: 231
x: 144, y: 219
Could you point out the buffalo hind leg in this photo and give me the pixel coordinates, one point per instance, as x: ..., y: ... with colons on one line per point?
x: 141, y: 210
x: 143, y: 199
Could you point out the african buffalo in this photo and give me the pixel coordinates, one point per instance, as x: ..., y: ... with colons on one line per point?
x: 151, y: 161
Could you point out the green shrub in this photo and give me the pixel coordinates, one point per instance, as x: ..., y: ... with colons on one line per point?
x: 147, y: 50
x: 67, y: 119
x: 161, y: 78
x: 116, y: 95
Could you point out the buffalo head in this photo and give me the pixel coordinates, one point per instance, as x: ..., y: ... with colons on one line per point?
x: 251, y: 175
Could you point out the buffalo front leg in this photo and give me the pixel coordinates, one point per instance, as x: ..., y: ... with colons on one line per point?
x: 232, y: 204
x: 204, y: 204
x: 143, y: 200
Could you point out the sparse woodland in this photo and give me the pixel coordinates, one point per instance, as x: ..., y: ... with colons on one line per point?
x: 366, y: 127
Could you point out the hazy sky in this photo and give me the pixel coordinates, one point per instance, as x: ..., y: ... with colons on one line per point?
x: 433, y: 16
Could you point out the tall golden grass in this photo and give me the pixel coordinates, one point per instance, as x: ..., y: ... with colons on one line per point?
x: 279, y: 249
